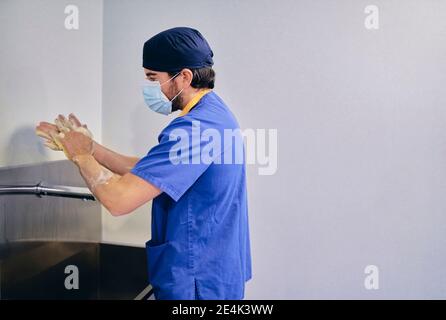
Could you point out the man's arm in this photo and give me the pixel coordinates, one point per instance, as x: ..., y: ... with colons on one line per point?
x: 119, y: 194
x: 114, y: 161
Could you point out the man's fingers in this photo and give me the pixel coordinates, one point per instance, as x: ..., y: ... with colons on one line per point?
x: 57, y: 140
x: 53, y: 146
x: 47, y: 125
x: 51, y: 134
x: 60, y: 124
x: 43, y: 130
x: 79, y: 127
x: 43, y: 134
x: 67, y: 123
x: 56, y: 137
x: 64, y: 123
x: 74, y: 120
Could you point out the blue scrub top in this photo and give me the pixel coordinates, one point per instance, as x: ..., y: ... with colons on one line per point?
x: 200, y: 247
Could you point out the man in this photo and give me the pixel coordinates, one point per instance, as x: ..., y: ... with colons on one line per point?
x: 200, y: 238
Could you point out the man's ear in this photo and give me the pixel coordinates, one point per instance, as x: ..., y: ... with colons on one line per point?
x: 187, y: 76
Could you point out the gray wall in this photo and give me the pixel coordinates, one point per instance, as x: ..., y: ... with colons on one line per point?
x: 45, y: 70
x: 360, y: 117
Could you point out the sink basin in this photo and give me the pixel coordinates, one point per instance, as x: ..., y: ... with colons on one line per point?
x: 40, y: 270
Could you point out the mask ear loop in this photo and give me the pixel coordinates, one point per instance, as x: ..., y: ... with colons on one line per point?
x: 177, y: 94
x: 171, y: 79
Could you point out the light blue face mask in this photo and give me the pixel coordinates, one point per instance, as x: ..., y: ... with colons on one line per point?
x: 155, y: 98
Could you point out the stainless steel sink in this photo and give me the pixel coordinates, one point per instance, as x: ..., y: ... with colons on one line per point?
x: 38, y: 270
x: 44, y: 228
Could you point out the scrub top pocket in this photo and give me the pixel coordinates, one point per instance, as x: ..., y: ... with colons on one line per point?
x: 157, y: 255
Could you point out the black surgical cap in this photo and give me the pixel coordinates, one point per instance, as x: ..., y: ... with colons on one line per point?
x: 177, y: 48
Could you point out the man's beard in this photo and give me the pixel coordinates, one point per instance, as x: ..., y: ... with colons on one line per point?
x: 177, y: 103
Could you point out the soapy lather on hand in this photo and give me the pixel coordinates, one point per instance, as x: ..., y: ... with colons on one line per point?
x: 53, y: 133
x: 76, y: 141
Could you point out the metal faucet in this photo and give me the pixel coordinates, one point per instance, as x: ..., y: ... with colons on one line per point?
x: 48, y: 190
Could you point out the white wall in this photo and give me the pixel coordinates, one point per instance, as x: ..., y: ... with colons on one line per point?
x: 45, y: 70
x: 360, y: 117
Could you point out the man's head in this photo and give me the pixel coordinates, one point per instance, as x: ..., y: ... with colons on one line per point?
x: 187, y: 80
x: 181, y: 60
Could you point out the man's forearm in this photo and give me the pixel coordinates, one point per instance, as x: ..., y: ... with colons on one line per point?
x: 101, y: 181
x: 114, y: 161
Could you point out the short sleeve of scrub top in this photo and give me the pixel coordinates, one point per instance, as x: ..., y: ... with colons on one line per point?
x: 170, y: 165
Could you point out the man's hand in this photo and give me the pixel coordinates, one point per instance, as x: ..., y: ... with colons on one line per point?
x: 61, y: 126
x: 72, y: 124
x: 73, y: 143
x: 46, y: 130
